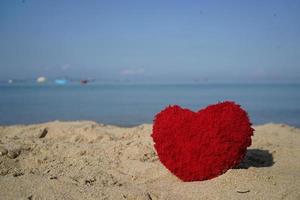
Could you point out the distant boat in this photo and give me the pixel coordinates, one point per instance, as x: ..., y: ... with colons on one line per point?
x: 41, y: 79
x: 61, y: 81
x: 84, y: 81
x: 10, y: 81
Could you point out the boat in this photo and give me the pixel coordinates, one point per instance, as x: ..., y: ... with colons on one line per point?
x: 61, y: 81
x: 84, y: 81
x: 41, y: 79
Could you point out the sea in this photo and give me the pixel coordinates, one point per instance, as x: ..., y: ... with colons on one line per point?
x: 134, y: 104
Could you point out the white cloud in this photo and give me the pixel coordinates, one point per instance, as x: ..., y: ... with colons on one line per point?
x: 128, y: 72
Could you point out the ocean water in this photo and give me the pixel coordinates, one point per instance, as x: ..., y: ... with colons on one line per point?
x: 128, y: 105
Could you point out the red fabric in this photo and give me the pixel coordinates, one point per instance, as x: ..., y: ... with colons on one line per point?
x: 201, y: 145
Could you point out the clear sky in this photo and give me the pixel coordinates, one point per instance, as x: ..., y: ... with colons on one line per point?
x: 151, y: 40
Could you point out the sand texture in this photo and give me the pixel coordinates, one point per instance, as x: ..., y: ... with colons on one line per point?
x: 87, y: 160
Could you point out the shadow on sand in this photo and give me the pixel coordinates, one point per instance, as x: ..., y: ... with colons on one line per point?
x: 256, y: 158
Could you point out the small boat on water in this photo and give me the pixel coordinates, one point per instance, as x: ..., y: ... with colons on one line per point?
x: 84, y: 81
x: 41, y: 79
x: 60, y: 81
x: 10, y: 81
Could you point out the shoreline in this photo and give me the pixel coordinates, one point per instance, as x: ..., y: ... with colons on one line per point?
x: 89, y: 160
x: 126, y: 126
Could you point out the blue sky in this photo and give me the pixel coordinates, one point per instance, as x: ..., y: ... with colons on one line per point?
x: 140, y: 40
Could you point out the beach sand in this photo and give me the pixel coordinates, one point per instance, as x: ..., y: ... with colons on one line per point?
x: 87, y: 160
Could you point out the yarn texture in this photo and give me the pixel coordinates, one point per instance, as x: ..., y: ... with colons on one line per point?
x: 201, y: 145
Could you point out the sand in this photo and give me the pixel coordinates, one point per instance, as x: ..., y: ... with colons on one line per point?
x: 87, y: 160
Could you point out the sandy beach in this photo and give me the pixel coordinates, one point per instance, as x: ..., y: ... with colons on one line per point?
x: 87, y: 160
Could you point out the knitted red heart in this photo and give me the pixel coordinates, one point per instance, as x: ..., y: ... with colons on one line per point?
x: 201, y: 145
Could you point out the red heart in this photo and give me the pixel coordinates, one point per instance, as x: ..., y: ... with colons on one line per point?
x: 201, y: 145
